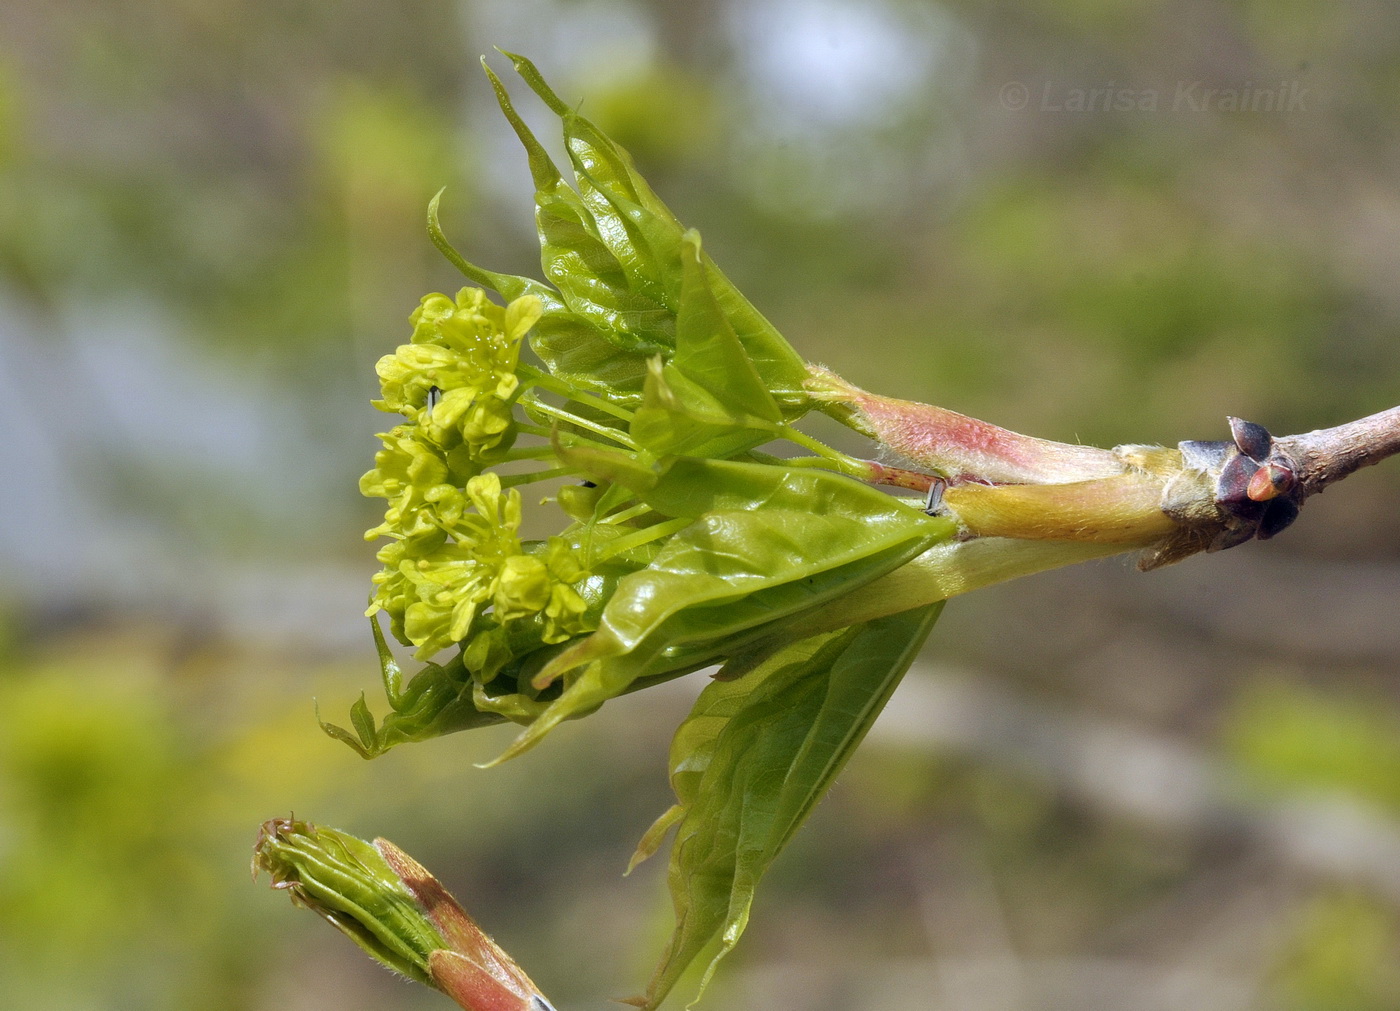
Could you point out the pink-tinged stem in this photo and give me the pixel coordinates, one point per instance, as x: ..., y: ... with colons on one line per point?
x: 955, y: 446
x: 900, y: 477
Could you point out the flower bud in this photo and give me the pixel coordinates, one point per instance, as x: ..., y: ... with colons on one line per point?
x: 388, y: 904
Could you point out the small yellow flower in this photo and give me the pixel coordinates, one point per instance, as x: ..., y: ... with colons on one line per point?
x: 465, y: 415
x: 565, y: 610
x: 394, y: 591
x: 523, y: 588
x: 450, y: 585
x: 413, y: 477
x: 493, y: 527
x: 442, y: 590
x: 468, y: 344
x: 435, y: 583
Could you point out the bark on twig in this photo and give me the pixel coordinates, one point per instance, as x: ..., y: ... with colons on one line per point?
x: 1330, y: 454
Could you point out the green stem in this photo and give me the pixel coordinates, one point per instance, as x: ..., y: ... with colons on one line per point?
x: 945, y: 570
x: 630, y: 513
x: 529, y: 453
x: 568, y: 439
x: 843, y: 463
x: 643, y: 536
x: 535, y: 377
x: 815, y: 462
x: 446, y: 248
x: 584, y: 423
x: 511, y: 480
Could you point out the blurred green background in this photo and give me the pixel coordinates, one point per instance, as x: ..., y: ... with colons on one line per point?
x: 1097, y: 789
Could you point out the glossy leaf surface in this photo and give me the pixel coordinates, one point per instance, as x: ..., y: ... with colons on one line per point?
x: 767, y: 542
x: 614, y: 251
x: 752, y: 760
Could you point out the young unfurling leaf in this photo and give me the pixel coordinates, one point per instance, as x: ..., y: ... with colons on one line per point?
x: 752, y: 760
x: 767, y: 542
x: 643, y: 239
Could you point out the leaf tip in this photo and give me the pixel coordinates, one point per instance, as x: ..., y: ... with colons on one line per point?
x: 522, y: 743
x: 531, y: 75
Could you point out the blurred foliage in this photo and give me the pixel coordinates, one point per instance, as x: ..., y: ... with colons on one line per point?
x: 120, y: 834
x: 1342, y: 957
x: 131, y: 773
x: 1292, y: 738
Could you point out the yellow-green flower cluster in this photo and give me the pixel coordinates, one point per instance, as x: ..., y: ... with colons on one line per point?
x: 467, y: 349
x: 454, y: 544
x: 435, y: 586
x: 544, y: 584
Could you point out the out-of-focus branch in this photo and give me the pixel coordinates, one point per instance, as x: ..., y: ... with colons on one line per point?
x: 1126, y: 771
x: 1330, y: 454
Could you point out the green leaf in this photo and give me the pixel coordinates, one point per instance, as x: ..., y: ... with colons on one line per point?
x: 644, y: 239
x: 708, y: 352
x: 693, y: 487
x: 636, y: 472
x: 752, y: 760
x: 708, y: 400
x: 576, y: 260
x: 637, y: 227
x: 768, y: 542
x: 572, y: 348
x: 576, y: 351
x: 614, y: 252
x: 437, y: 701
x: 676, y: 417
x: 509, y: 286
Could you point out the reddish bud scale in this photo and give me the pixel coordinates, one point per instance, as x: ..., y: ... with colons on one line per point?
x: 474, y: 971
x: 1257, y: 487
x: 957, y: 447
x: 1270, y: 481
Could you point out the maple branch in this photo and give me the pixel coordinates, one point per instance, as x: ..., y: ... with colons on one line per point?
x: 1330, y: 454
